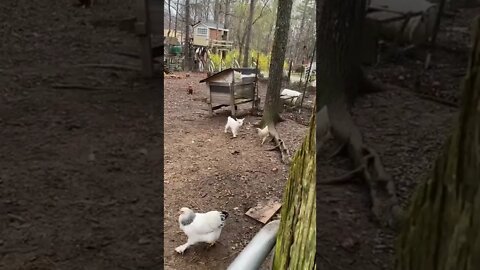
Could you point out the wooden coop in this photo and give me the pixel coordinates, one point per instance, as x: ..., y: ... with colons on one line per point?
x: 406, y: 21
x: 149, y: 23
x: 232, y: 87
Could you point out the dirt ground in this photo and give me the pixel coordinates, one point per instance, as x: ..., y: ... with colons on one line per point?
x: 80, y: 169
x: 408, y: 132
x: 206, y: 169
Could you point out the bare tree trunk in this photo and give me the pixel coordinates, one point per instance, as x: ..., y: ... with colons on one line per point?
x: 300, y: 36
x: 339, y: 69
x: 246, y: 56
x: 216, y: 12
x: 227, y: 14
x: 169, y: 18
x: 207, y: 10
x: 268, y: 43
x: 176, y: 17
x: 187, y: 36
x: 442, y: 231
x: 271, y: 111
x: 296, y: 242
x: 242, y: 44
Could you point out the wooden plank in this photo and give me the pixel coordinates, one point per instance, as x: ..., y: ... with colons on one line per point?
x: 263, y: 212
x: 220, y: 89
x: 232, y: 97
x: 247, y: 91
x: 210, y: 101
x: 226, y: 104
x: 226, y: 101
x: 221, y: 99
x: 215, y: 83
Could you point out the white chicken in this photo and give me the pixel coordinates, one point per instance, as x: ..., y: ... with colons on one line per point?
x: 200, y: 227
x: 263, y: 133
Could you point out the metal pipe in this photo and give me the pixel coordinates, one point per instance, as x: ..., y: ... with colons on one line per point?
x: 255, y: 253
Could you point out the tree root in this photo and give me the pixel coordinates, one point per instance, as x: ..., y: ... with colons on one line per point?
x: 322, y: 128
x: 437, y: 100
x: 338, y: 151
x: 279, y: 144
x: 346, y: 178
x: 273, y: 148
x: 385, y: 206
x: 349, y: 176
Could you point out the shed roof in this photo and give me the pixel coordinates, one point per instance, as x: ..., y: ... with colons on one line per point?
x: 405, y: 6
x: 241, y: 70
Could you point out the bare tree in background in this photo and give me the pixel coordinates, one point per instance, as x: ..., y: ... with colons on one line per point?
x: 169, y: 18
x: 187, y: 36
x: 227, y: 14
x: 271, y: 112
x: 298, y: 45
x: 176, y: 17
x: 246, y: 53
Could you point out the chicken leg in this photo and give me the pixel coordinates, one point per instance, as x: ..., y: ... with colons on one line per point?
x: 181, y: 249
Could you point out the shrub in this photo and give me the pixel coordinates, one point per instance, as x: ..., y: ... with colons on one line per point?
x: 263, y: 60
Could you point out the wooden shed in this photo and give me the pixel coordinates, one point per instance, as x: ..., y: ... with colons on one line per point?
x: 211, y: 34
x: 403, y: 21
x: 231, y: 87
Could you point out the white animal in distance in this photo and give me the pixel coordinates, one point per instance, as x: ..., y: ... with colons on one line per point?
x: 234, y: 125
x: 263, y: 133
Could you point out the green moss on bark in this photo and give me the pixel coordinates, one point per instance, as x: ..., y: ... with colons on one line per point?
x: 296, y: 240
x: 442, y: 228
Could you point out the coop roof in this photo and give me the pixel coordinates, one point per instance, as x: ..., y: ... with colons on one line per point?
x: 403, y: 7
x: 213, y: 25
x: 241, y: 70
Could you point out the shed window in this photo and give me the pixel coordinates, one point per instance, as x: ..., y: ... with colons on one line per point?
x: 202, y: 31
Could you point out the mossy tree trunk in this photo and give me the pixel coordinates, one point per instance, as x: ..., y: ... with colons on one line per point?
x: 296, y: 239
x: 442, y: 231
